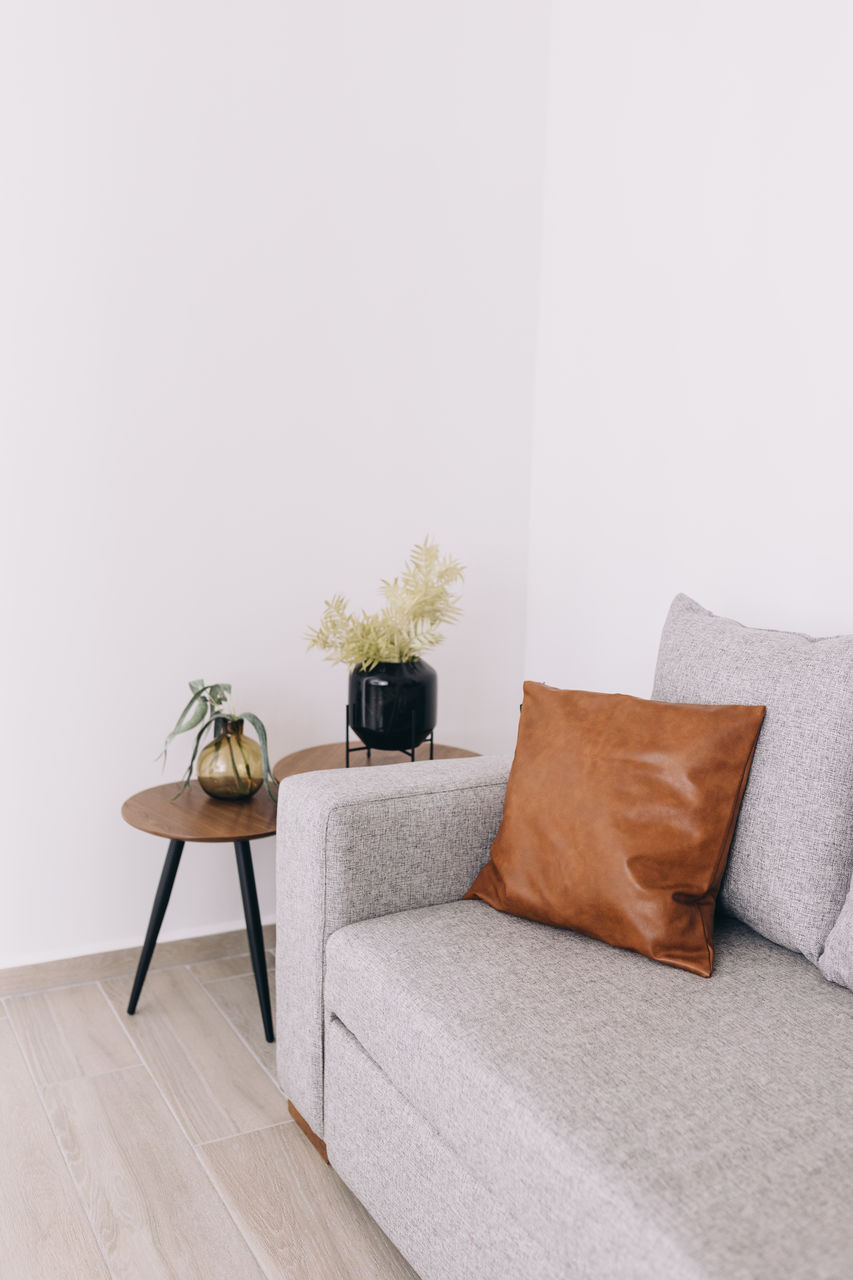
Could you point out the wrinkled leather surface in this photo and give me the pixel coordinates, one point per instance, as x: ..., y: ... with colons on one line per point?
x: 618, y: 819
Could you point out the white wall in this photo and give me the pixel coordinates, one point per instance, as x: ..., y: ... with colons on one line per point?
x: 268, y: 315
x: 266, y: 318
x: 694, y: 390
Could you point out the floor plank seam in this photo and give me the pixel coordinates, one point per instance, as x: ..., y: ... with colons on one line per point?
x: 262, y: 1128
x: 67, y: 986
x: 182, y: 1131
x: 227, y: 1207
x: 99, y: 1075
x: 228, y: 977
x: 237, y: 1033
x: 74, y: 1183
x: 144, y: 1062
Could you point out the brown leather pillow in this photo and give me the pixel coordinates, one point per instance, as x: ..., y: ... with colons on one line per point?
x: 618, y: 818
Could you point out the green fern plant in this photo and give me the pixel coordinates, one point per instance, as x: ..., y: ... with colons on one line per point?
x: 417, y: 604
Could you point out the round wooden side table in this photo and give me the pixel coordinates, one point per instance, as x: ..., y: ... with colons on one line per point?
x: 332, y: 755
x: 196, y: 816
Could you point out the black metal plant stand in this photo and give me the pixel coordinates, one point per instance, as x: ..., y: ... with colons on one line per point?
x: 406, y: 751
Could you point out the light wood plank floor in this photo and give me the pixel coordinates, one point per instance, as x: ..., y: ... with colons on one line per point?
x: 160, y: 1145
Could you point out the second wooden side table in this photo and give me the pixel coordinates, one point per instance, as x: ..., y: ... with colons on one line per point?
x: 332, y: 755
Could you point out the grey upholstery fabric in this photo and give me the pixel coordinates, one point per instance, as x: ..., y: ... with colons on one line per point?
x: 444, y: 1221
x: 836, y: 963
x: 357, y: 843
x: 639, y: 1121
x: 792, y: 854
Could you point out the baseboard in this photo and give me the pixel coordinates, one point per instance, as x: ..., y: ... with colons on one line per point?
x: 116, y: 964
x: 100, y: 946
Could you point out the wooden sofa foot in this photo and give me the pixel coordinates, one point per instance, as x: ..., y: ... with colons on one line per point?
x: 316, y: 1142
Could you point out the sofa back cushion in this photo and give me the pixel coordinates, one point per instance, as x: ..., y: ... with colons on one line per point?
x: 618, y: 817
x: 836, y: 963
x: 791, y: 858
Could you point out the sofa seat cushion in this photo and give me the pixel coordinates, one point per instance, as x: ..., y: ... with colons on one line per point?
x: 703, y: 1129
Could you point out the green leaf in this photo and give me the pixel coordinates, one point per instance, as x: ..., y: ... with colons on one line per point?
x: 190, y: 721
x: 202, y: 731
x: 257, y: 725
x: 231, y: 754
x: 197, y: 685
x: 181, y: 726
x: 246, y: 763
x: 192, y: 714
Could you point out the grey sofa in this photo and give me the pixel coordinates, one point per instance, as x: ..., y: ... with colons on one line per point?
x: 516, y: 1102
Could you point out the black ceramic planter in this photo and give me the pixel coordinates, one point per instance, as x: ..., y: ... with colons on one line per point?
x: 392, y: 707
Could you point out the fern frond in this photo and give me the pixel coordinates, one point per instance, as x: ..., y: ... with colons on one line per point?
x: 417, y: 604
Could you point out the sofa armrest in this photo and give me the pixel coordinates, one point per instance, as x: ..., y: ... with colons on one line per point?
x: 353, y: 844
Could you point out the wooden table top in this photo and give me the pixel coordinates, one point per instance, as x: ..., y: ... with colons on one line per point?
x: 332, y: 755
x: 197, y: 816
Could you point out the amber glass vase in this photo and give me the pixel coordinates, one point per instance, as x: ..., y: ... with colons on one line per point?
x: 231, y: 767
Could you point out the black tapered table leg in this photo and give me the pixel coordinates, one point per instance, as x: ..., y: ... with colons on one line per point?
x: 161, y: 902
x: 246, y: 872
